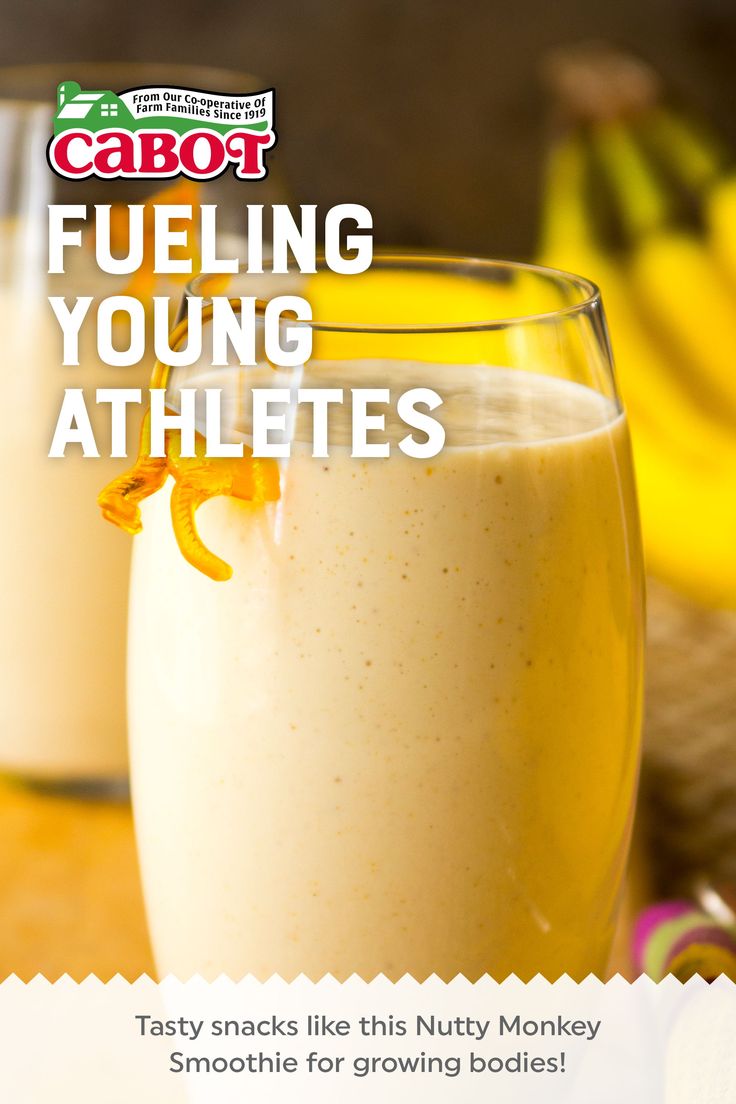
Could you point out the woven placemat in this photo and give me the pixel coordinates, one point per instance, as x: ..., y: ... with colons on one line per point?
x: 688, y: 795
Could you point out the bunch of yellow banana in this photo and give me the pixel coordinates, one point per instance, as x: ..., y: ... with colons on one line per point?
x: 669, y: 291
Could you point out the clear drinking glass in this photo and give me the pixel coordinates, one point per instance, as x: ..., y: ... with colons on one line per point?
x: 64, y: 604
x: 405, y: 735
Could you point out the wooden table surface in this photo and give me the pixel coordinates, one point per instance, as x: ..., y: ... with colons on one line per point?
x: 70, y: 895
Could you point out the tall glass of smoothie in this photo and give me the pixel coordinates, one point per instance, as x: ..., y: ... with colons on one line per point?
x: 404, y: 736
x: 63, y: 608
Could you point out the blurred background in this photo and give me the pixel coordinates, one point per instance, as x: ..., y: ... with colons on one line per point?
x: 434, y: 114
x: 430, y: 112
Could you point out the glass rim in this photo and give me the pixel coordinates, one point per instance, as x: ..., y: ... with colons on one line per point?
x: 588, y: 291
x: 125, y: 69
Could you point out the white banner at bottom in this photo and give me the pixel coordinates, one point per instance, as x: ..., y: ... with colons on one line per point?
x: 326, y: 1042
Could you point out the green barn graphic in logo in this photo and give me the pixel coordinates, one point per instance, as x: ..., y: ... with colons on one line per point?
x: 91, y: 110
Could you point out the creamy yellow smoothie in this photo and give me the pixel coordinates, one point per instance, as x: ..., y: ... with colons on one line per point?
x: 404, y: 737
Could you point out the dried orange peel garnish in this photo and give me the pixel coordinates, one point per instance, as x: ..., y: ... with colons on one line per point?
x: 196, y: 479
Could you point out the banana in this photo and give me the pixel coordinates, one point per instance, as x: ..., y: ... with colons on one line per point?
x: 721, y: 215
x: 685, y: 459
x: 688, y: 522
x: 705, y: 169
x: 673, y: 276
x: 652, y: 390
x: 691, y: 155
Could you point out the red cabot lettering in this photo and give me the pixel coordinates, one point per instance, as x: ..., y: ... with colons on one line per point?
x: 192, y: 144
x: 117, y: 155
x: 247, y: 148
x: 158, y: 153
x: 61, y: 153
x: 199, y: 154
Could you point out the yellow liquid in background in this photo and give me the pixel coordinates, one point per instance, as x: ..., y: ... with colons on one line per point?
x: 404, y: 737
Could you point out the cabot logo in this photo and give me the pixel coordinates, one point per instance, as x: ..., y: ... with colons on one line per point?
x: 160, y: 132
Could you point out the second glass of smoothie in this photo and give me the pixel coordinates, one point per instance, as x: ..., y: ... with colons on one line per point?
x: 63, y: 609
